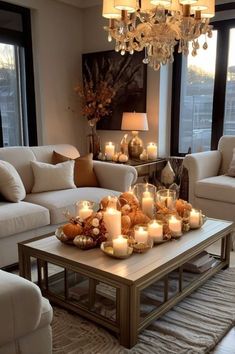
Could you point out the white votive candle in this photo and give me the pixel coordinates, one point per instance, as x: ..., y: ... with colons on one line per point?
x: 152, y: 151
x: 109, y: 150
x: 141, y: 235
x: 155, y: 230
x: 85, y: 210
x: 120, y: 246
x: 112, y: 221
x: 194, y: 218
x: 175, y: 225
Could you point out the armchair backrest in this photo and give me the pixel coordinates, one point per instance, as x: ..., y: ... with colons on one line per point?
x: 226, y: 146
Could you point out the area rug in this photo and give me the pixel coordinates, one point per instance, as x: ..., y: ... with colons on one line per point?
x: 194, y: 326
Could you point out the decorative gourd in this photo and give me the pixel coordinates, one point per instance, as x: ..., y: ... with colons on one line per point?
x: 138, y: 217
x: 71, y: 230
x: 129, y: 198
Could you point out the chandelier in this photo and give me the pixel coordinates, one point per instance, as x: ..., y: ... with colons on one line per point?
x: 157, y: 26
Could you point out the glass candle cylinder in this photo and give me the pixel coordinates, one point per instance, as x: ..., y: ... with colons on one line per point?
x: 146, y: 194
x: 195, y: 219
x: 120, y: 246
x: 84, y: 209
x: 141, y: 233
x: 155, y: 230
x: 109, y: 150
x: 167, y: 198
x: 152, y: 151
x: 175, y: 225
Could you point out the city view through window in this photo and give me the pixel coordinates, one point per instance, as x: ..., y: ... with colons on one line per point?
x: 197, y: 89
x: 12, y: 96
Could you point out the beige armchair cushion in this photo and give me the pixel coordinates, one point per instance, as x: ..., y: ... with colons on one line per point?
x: 231, y: 170
x: 11, y: 185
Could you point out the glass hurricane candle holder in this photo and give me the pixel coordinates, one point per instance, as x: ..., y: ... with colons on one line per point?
x: 146, y: 194
x: 120, y: 246
x: 109, y: 150
x: 175, y: 226
x: 167, y: 198
x: 141, y: 234
x: 84, y: 209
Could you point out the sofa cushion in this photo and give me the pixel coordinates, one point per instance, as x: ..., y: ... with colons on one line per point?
x: 48, y: 177
x: 84, y: 175
x: 11, y: 186
x: 58, y: 201
x: 20, y: 217
x: 220, y: 188
x: 20, y: 157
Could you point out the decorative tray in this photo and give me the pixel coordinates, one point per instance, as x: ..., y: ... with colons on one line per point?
x: 107, y: 248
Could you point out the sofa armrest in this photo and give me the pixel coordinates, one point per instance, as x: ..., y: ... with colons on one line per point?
x: 201, y: 165
x: 20, y: 307
x: 114, y: 176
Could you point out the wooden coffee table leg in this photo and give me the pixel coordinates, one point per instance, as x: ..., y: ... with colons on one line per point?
x: 128, y: 316
x: 24, y: 263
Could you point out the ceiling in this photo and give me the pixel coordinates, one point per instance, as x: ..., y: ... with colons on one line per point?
x: 82, y: 3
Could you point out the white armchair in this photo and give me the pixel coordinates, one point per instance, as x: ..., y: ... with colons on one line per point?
x: 210, y: 189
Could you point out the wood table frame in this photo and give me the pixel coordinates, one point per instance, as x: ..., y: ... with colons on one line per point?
x: 128, y: 288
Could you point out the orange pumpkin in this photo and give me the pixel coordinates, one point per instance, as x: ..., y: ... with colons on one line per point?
x: 71, y: 230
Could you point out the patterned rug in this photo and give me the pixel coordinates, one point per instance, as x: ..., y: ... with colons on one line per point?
x: 194, y: 326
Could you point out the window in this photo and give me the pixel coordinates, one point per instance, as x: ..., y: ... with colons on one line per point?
x: 203, y: 95
x: 17, y: 99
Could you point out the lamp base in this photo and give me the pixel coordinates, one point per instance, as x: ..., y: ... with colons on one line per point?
x: 135, y: 146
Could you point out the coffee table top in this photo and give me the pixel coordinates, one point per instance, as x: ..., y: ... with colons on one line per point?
x: 136, y: 267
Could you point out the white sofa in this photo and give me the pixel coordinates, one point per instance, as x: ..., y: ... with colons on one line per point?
x: 41, y: 213
x: 210, y: 189
x: 25, y: 317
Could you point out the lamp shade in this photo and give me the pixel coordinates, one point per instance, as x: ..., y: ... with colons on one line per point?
x: 161, y: 2
x: 134, y: 121
x: 175, y: 6
x: 188, y: 2
x: 109, y: 10
x: 146, y: 5
x: 127, y: 5
x: 210, y: 11
x: 200, y: 5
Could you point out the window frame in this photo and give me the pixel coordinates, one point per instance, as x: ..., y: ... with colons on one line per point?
x: 24, y: 39
x: 223, y: 27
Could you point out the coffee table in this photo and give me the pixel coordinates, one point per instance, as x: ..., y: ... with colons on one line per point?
x: 113, y: 292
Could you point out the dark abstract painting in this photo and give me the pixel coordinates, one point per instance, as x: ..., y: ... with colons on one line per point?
x: 127, y: 74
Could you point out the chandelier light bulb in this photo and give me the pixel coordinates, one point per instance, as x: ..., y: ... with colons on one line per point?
x: 109, y: 10
x: 126, y: 5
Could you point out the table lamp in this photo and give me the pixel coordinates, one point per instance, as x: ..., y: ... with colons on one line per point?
x: 135, y: 122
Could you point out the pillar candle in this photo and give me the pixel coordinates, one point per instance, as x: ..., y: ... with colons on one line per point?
x: 152, y: 151
x: 109, y: 150
x: 194, y: 218
x: 141, y: 235
x: 155, y: 230
x: 120, y: 246
x: 148, y: 204
x: 112, y: 220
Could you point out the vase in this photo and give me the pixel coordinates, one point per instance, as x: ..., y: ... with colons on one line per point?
x: 94, y: 145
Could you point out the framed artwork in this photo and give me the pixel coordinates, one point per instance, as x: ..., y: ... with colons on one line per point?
x: 127, y: 74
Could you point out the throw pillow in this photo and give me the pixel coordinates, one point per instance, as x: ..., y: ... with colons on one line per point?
x: 84, y: 175
x: 52, y: 178
x: 231, y: 170
x: 11, y: 185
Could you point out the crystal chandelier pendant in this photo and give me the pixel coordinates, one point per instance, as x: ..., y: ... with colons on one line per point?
x: 156, y: 26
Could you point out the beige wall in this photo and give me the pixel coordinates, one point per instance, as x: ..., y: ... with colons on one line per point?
x: 57, y: 47
x: 94, y: 40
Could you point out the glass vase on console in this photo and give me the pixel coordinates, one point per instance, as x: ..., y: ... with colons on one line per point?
x: 94, y: 145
